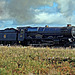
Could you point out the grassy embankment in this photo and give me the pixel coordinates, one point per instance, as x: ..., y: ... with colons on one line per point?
x: 36, y: 61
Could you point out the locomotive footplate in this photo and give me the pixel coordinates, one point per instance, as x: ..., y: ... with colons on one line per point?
x: 41, y: 45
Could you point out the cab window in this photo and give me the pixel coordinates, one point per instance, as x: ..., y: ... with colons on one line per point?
x: 22, y: 31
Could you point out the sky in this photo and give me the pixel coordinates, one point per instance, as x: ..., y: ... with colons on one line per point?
x: 56, y: 13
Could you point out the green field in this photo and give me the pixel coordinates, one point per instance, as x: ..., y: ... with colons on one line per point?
x: 17, y: 60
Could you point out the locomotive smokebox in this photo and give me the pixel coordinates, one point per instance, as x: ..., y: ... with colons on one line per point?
x: 68, y: 25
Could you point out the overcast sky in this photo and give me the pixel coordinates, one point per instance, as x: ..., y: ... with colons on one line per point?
x: 15, y: 13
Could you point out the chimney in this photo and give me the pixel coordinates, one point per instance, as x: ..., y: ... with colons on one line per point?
x: 68, y: 25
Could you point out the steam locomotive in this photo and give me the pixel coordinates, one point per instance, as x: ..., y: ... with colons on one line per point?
x: 42, y: 36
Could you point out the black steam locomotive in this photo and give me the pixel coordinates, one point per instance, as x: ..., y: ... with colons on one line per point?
x: 41, y: 36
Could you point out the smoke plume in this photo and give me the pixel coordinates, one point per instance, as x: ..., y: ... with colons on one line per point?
x: 24, y: 10
x: 3, y: 10
x: 28, y: 11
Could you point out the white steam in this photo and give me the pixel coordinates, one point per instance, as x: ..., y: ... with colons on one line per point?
x: 45, y: 18
x: 66, y: 7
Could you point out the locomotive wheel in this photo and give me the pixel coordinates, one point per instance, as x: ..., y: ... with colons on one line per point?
x: 28, y: 42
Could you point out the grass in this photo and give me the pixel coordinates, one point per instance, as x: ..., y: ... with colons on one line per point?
x: 18, y: 60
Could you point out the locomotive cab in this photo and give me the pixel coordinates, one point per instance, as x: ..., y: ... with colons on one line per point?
x: 21, y: 35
